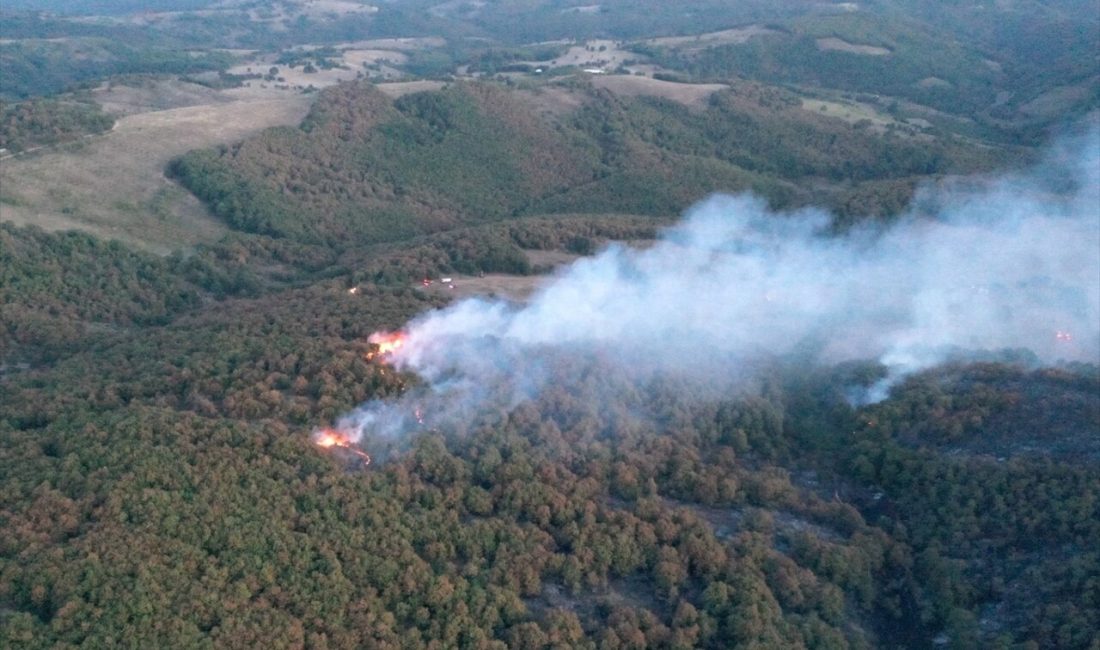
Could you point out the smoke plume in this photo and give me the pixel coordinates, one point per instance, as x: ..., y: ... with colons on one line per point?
x: 1012, y: 263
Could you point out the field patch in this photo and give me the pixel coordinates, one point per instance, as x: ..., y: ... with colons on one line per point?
x: 358, y: 59
x: 322, y: 8
x: 407, y: 44
x: 634, y: 85
x: 602, y: 54
x: 735, y: 36
x: 491, y: 285
x: 502, y: 285
x: 154, y: 95
x: 1056, y: 100
x: 933, y: 82
x: 401, y: 88
x: 319, y: 68
x: 851, y: 112
x: 114, y: 185
x: 833, y: 44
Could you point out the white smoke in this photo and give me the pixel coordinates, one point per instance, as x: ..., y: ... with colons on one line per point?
x: 1009, y: 264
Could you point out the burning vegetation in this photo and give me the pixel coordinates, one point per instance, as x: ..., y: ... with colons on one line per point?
x: 385, y: 344
x: 328, y: 438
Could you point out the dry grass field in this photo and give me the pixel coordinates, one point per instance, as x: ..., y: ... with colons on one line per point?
x: 379, y: 58
x: 634, y: 85
x: 603, y: 54
x: 840, y: 45
x: 400, y: 88
x: 114, y: 185
x: 734, y: 36
x: 849, y: 111
x: 511, y: 287
x: 154, y: 95
x: 1055, y: 100
x: 490, y: 285
x: 502, y: 285
x: 403, y: 44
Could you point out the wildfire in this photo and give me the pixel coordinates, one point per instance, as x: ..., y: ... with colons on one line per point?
x: 387, y: 343
x: 1063, y: 336
x: 329, y: 438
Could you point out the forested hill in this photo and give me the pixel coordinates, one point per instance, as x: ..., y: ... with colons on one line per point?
x: 159, y: 487
x: 364, y: 168
x: 159, y: 483
x: 38, y: 123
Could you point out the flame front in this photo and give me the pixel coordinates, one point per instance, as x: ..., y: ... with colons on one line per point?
x: 329, y: 438
x: 387, y: 343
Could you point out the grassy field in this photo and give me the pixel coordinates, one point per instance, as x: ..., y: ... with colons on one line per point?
x: 848, y: 111
x: 114, y: 185
x: 507, y: 285
x: 634, y: 86
x: 840, y: 45
x: 724, y: 37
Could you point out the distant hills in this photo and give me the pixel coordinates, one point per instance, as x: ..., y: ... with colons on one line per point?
x: 994, y: 70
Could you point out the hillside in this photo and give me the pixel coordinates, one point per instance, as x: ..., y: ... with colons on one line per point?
x: 688, y: 524
x: 112, y: 184
x: 989, y: 71
x: 363, y: 168
x: 991, y: 83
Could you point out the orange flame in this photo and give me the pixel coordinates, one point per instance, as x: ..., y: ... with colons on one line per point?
x: 329, y: 438
x: 387, y: 343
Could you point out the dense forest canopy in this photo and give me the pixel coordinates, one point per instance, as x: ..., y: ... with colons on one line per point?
x: 27, y: 125
x: 365, y: 168
x: 786, y: 517
x: 159, y: 485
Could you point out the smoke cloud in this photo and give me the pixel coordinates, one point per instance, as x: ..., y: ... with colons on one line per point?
x: 1012, y: 263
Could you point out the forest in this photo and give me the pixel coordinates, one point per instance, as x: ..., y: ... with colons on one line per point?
x: 912, y: 63
x: 33, y: 68
x: 363, y: 168
x: 27, y: 125
x: 159, y: 482
x: 160, y: 486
